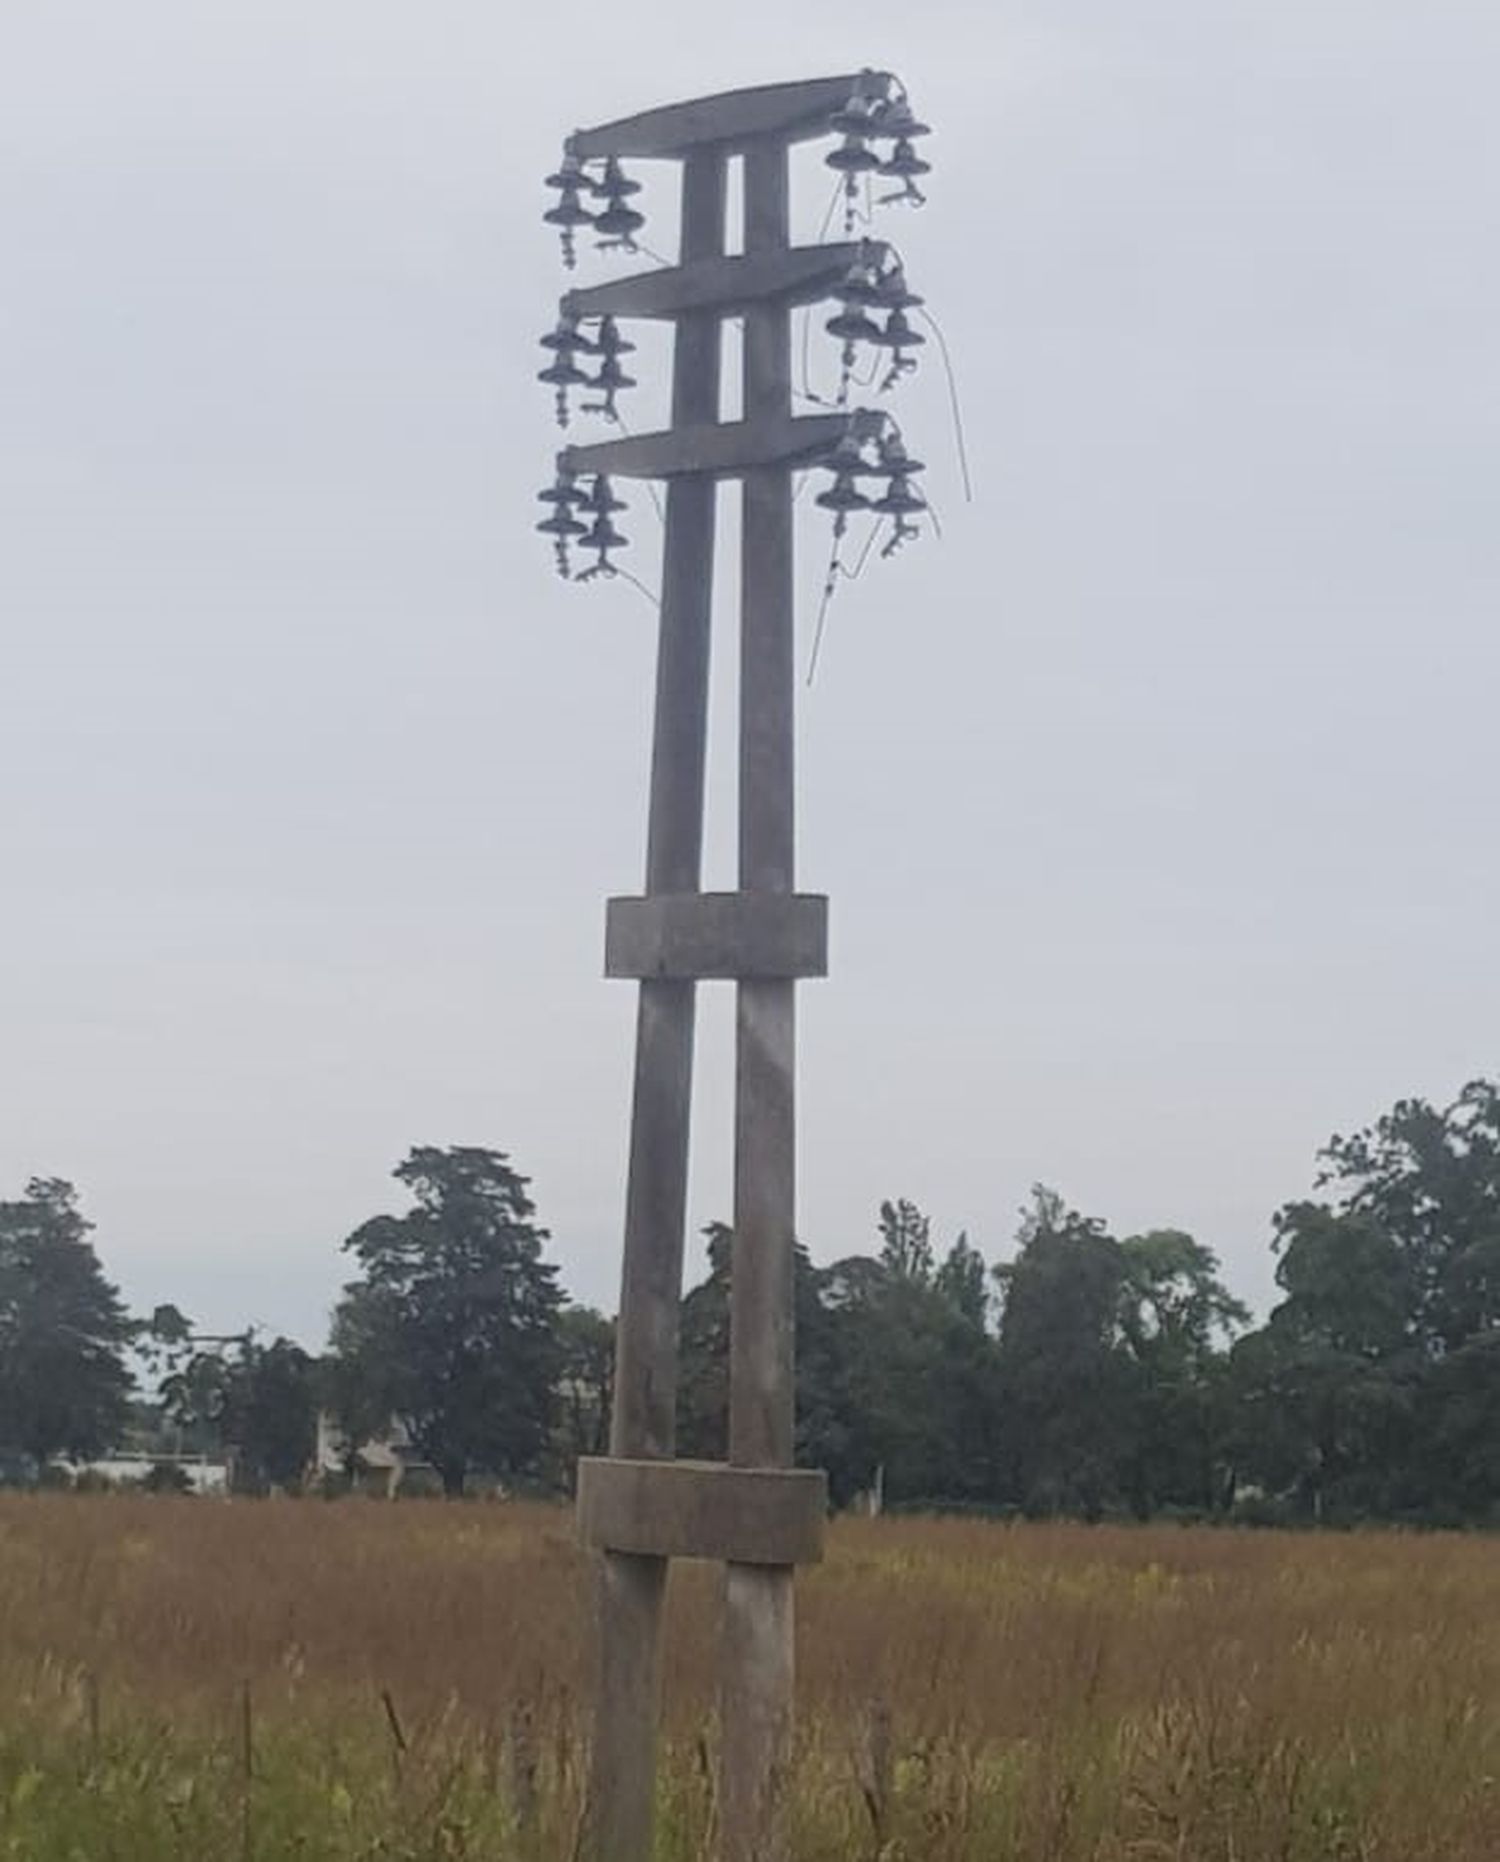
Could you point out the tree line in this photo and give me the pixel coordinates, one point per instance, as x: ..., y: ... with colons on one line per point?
x: 1087, y: 1375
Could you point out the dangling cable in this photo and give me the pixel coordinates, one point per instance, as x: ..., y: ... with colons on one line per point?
x: 836, y: 570
x: 612, y: 572
x: 806, y: 390
x: 828, y: 588
x: 958, y: 417
x: 828, y: 217
x: 636, y: 582
x: 817, y: 400
x: 651, y: 491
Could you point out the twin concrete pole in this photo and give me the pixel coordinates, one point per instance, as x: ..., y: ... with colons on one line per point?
x: 632, y: 1585
x: 640, y: 1506
x: 758, y: 1599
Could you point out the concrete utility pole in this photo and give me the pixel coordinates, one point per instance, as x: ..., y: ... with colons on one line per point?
x: 640, y: 1506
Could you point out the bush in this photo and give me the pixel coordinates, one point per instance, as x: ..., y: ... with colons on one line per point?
x: 166, y: 1477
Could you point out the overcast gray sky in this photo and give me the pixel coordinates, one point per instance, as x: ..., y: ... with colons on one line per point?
x: 1156, y: 802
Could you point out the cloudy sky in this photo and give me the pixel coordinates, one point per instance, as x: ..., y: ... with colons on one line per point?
x: 1156, y: 801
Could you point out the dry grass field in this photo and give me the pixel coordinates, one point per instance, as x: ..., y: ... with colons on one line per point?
x: 200, y: 1680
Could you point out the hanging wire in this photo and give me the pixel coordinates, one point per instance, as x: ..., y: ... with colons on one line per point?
x: 610, y: 572
x: 836, y: 571
x: 958, y: 416
x: 830, y: 215
x: 806, y: 391
x: 636, y: 582
x: 874, y: 366
x: 853, y: 575
x: 651, y: 491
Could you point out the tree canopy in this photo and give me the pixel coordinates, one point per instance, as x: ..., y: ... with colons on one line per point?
x: 64, y: 1381
x: 1087, y: 1373
x: 452, y: 1324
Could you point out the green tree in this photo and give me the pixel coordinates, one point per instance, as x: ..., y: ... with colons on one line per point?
x: 1325, y: 1428
x: 918, y: 1367
x: 453, y: 1324
x: 906, y: 1242
x: 866, y: 1386
x: 255, y: 1404
x: 1067, y: 1386
x: 703, y: 1355
x: 1177, y: 1319
x: 829, y: 1434
x: 64, y: 1381
x: 962, y: 1279
x: 1371, y: 1388
x: 703, y: 1364
x: 1428, y: 1179
x: 272, y: 1416
x: 1326, y: 1390
x: 587, y: 1345
x: 1457, y: 1475
x: 1345, y: 1281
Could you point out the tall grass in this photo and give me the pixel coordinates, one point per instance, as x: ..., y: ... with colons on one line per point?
x: 196, y: 1680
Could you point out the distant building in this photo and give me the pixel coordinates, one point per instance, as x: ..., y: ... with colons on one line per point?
x: 202, y: 1475
x: 385, y: 1459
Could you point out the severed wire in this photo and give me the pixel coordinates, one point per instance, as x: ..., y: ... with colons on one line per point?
x: 614, y: 569
x: 836, y: 571
x: 609, y: 572
x: 958, y: 416
x: 828, y: 217
x: 651, y: 491
x: 955, y: 406
x: 806, y: 391
x: 636, y: 582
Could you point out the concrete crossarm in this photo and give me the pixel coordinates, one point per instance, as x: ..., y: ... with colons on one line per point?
x: 696, y: 935
x: 801, y: 275
x: 789, y: 112
x: 703, y: 1509
x: 724, y: 450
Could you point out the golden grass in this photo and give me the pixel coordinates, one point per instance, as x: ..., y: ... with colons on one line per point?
x: 199, y: 1680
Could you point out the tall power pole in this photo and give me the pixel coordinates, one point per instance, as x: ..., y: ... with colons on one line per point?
x: 640, y: 1506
